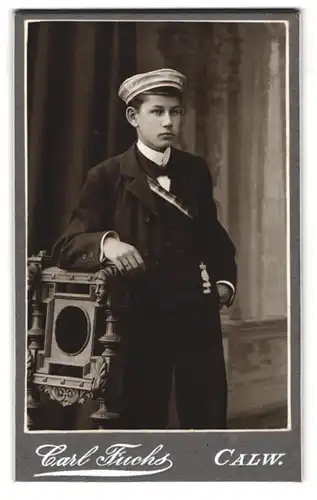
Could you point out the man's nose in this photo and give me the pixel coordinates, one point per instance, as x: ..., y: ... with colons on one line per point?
x: 167, y: 121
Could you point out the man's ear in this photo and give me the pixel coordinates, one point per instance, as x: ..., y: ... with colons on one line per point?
x: 131, y: 115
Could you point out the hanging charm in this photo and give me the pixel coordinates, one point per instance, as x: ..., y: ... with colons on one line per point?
x: 205, y: 277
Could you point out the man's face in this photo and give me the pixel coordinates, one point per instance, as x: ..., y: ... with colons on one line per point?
x: 157, y: 121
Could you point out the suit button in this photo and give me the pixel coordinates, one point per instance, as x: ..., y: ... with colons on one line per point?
x: 147, y: 219
x: 167, y: 244
x: 91, y: 255
x: 84, y: 256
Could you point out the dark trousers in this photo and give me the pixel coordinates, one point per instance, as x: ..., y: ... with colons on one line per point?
x: 160, y: 344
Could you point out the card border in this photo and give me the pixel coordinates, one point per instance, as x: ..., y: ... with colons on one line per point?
x: 288, y: 437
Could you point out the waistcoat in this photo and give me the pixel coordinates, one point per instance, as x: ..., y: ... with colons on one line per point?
x: 176, y: 281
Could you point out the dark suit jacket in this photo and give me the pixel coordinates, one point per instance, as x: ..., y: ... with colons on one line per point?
x: 116, y: 196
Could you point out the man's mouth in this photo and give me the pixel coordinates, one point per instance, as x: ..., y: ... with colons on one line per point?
x: 166, y: 134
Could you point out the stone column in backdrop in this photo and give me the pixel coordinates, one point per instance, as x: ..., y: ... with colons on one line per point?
x: 258, y: 181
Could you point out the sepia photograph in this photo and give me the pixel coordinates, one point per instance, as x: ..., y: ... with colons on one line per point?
x: 157, y: 225
x: 158, y: 159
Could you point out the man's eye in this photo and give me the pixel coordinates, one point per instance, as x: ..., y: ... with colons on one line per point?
x: 175, y: 112
x: 157, y: 111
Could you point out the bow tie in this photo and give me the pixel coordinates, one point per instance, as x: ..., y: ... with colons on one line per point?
x: 162, y: 169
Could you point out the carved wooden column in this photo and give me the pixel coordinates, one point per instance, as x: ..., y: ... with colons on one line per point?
x: 35, y: 336
x: 109, y: 394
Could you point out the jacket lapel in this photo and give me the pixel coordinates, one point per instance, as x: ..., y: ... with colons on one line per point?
x: 136, y: 180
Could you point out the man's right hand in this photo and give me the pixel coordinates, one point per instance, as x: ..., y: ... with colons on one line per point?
x: 125, y: 257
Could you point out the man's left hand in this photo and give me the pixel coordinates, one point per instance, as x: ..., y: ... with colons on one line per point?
x: 225, y: 293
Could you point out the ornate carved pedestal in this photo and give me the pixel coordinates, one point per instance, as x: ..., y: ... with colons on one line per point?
x: 73, y: 343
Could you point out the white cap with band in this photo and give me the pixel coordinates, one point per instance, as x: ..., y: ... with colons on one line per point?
x: 145, y: 82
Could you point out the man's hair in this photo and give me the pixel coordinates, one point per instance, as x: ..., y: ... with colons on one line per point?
x: 140, y: 98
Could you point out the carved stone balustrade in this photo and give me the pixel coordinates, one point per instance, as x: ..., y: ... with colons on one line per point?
x: 73, y: 345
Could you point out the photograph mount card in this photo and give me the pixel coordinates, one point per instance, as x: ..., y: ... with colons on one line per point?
x: 157, y: 245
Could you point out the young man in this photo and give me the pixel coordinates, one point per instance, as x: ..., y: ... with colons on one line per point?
x: 151, y: 212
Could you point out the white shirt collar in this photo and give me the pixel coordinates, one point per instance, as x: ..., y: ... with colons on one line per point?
x: 155, y: 156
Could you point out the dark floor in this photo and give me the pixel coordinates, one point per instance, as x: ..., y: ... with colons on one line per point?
x: 53, y: 417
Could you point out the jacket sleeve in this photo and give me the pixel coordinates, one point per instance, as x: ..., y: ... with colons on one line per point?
x: 79, y: 246
x: 219, y: 249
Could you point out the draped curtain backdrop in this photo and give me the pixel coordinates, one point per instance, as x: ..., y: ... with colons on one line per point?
x: 74, y: 117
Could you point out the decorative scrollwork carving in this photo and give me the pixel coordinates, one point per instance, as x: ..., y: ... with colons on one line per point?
x: 100, y: 374
x: 66, y: 396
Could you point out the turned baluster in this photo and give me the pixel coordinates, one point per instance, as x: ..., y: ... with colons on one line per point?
x: 35, y: 336
x: 108, y: 395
